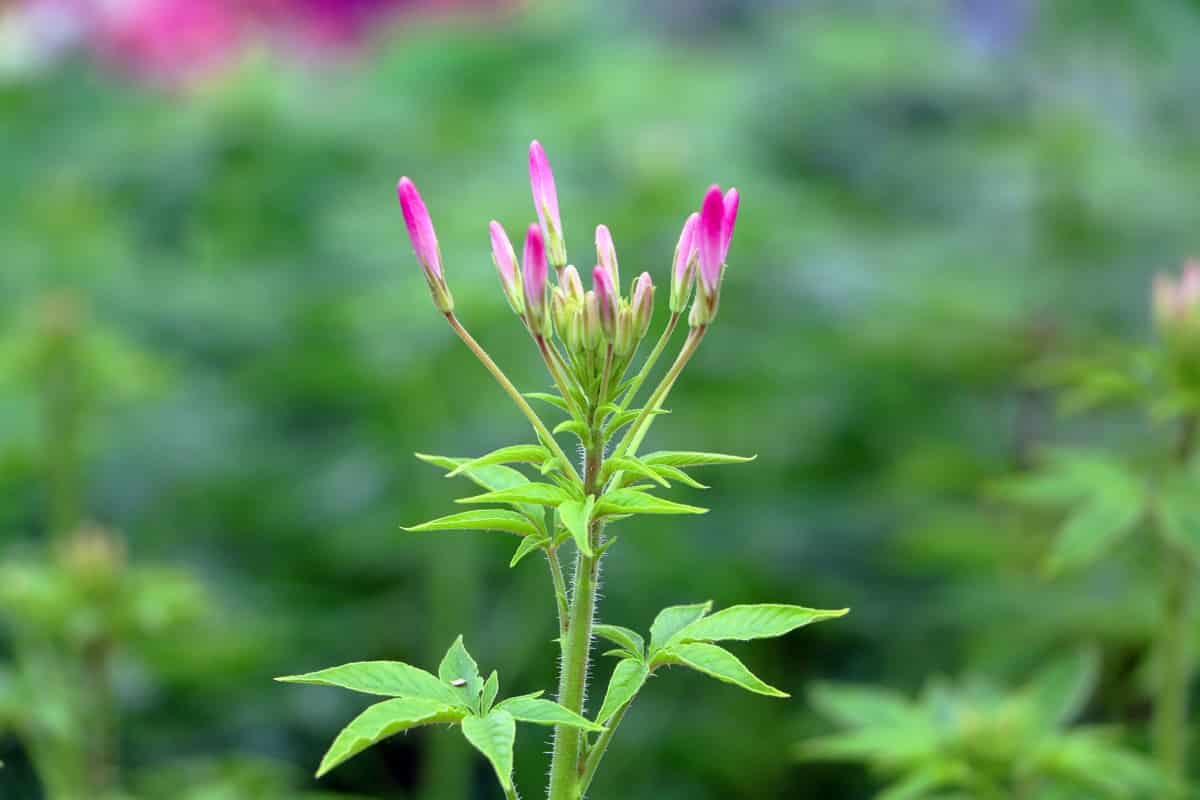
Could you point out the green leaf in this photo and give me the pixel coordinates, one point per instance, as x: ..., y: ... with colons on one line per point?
x: 381, y: 721
x: 459, y: 668
x: 494, y: 736
x: 1060, y: 691
x: 545, y: 712
x: 631, y: 464
x: 672, y: 620
x: 631, y: 641
x: 865, y: 706
x: 1179, y: 507
x: 1092, y: 529
x: 526, y: 453
x: 387, y: 678
x: 1067, y: 476
x: 747, y: 622
x: 676, y: 474
x: 494, y: 478
x: 576, y: 516
x: 718, y: 663
x: 527, y: 546
x: 491, y: 688
x: 625, y: 417
x: 681, y: 458
x: 627, y: 680
x: 489, y: 519
x: 543, y: 494
x: 552, y: 399
x: 630, y: 501
x: 576, y: 427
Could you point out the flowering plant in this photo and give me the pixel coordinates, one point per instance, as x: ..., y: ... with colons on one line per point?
x: 588, y: 340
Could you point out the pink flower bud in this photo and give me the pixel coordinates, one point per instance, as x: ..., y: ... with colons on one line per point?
x: 545, y: 201
x: 732, y: 198
x: 642, y: 303
x: 606, y: 301
x: 505, y: 259
x: 709, y: 244
x: 1177, y: 315
x: 424, y: 242
x: 535, y: 280
x: 606, y: 253
x: 683, y: 271
x: 571, y: 284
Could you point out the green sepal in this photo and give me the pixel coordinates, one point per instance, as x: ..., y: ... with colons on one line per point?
x: 382, y: 720
x: 493, y: 735
x: 545, y: 712
x: 718, y: 663
x: 629, y: 640
x: 517, y: 453
x: 385, y: 678
x: 576, y: 515
x: 491, y: 519
x: 458, y: 667
x: 684, y: 458
x: 542, y: 494
x: 627, y: 680
x: 631, y: 501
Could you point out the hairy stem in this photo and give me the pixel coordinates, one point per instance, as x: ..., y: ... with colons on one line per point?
x: 597, y: 750
x: 506, y: 384
x: 1171, y: 706
x: 560, y: 588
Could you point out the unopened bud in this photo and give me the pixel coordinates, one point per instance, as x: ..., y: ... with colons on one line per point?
x: 534, y: 263
x: 713, y: 235
x: 571, y: 284
x: 606, y: 253
x: 1177, y: 316
x: 593, y: 334
x: 424, y: 242
x: 559, y: 310
x: 606, y: 301
x: 683, y: 270
x: 505, y: 260
x: 626, y: 337
x: 545, y: 201
x: 641, y: 302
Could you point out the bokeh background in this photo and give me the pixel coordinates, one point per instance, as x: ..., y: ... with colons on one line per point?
x: 217, y: 356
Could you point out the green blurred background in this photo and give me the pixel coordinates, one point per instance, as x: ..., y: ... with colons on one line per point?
x: 216, y: 346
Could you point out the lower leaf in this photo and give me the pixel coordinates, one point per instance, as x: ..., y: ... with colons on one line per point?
x: 381, y: 721
x: 494, y: 736
x: 719, y: 663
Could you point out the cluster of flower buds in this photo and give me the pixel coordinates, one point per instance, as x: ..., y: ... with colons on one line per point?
x: 587, y: 322
x: 1177, y: 312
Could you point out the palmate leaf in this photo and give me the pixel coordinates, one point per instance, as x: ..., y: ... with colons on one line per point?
x: 458, y: 667
x: 624, y: 638
x: 494, y: 736
x: 542, y: 494
x: 671, y: 620
x: 747, y: 622
x: 387, y: 678
x: 683, y: 458
x: 718, y: 663
x: 544, y: 712
x: 632, y: 501
x: 517, y: 453
x: 381, y: 721
x: 627, y: 680
x: 490, y: 519
x: 576, y: 515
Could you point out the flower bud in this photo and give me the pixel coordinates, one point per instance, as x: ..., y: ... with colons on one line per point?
x: 573, y: 335
x: 505, y: 260
x: 571, y: 284
x: 641, y: 303
x: 593, y: 333
x: 683, y: 270
x: 606, y: 301
x: 424, y: 242
x: 626, y: 337
x: 1177, y: 316
x: 606, y: 253
x: 713, y: 234
x: 534, y: 263
x: 560, y: 310
x: 545, y: 201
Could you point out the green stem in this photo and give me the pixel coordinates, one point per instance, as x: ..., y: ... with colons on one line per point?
x: 597, y: 751
x: 1171, y: 706
x: 516, y: 396
x: 559, y: 381
x: 651, y: 359
x: 576, y: 643
x: 560, y: 588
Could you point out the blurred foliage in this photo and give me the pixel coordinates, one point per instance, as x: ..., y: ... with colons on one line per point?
x: 929, y: 208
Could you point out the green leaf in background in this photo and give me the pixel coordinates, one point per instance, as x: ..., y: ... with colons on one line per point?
x: 387, y: 678
x: 517, y: 453
x: 494, y: 736
x: 491, y: 688
x: 544, y: 712
x: 747, y: 622
x: 381, y: 721
x: 683, y: 458
x: 1093, y: 529
x: 627, y: 680
x: 634, y: 465
x: 1066, y: 476
x: 631, y: 501
x: 576, y: 515
x: 625, y: 638
x: 1059, y: 692
x: 718, y: 663
x: 459, y: 671
x: 527, y: 546
x: 671, y: 620
x: 865, y: 706
x: 542, y: 494
x: 1178, y: 504
x: 490, y: 519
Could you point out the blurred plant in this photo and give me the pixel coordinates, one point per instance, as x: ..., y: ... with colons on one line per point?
x: 1108, y: 496
x: 69, y: 611
x: 976, y: 740
x: 588, y: 341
